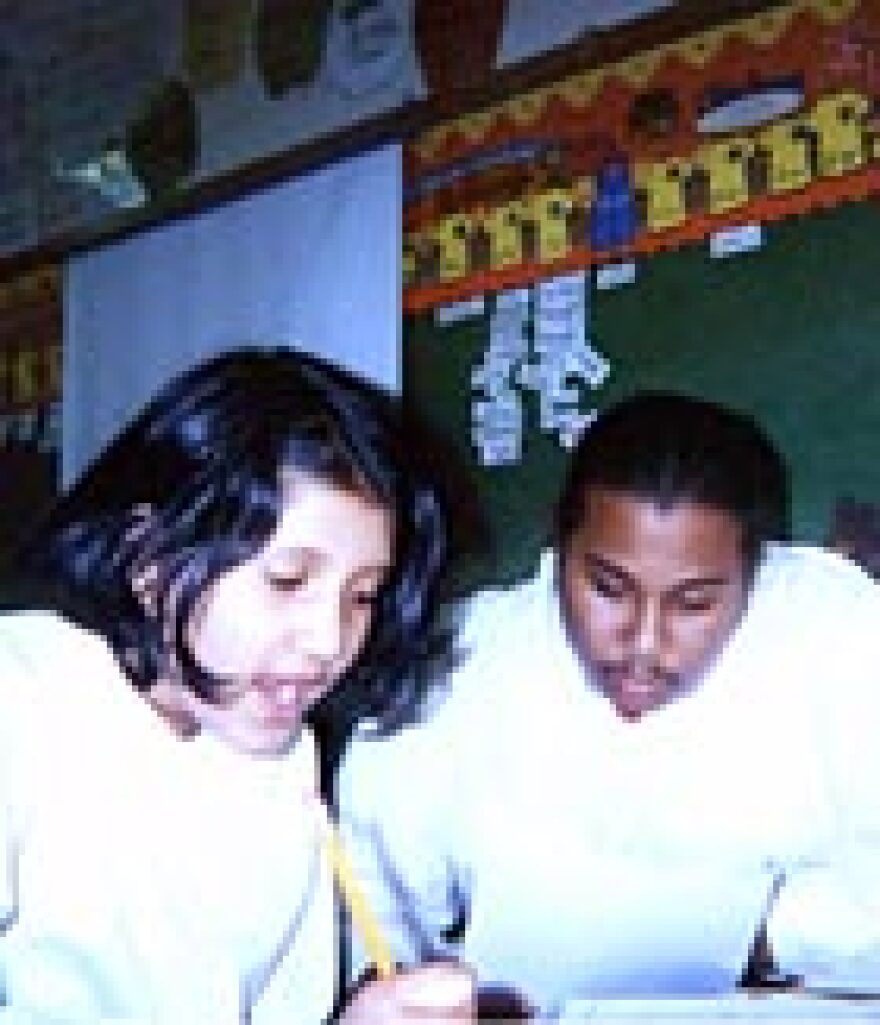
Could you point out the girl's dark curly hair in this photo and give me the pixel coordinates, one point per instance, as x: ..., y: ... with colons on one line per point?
x: 192, y: 486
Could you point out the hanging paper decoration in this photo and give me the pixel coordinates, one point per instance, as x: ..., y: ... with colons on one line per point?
x: 457, y: 41
x: 367, y: 43
x: 497, y: 410
x: 214, y: 41
x: 540, y: 344
x: 289, y: 41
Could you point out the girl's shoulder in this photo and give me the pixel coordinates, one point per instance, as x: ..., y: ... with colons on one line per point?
x: 38, y: 634
x: 38, y: 647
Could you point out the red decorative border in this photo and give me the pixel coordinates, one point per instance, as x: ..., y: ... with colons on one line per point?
x: 859, y: 185
x: 830, y: 52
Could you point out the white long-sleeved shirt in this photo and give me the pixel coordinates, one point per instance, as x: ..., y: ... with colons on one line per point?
x: 144, y: 878
x: 589, y: 856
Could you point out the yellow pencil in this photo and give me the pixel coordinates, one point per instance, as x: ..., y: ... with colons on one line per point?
x: 362, y: 916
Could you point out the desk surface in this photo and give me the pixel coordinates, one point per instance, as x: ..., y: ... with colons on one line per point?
x: 740, y: 1007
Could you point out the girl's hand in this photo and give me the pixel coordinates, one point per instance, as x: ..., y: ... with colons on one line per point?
x: 434, y: 994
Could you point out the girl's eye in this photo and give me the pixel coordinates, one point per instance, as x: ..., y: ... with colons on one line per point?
x: 286, y: 581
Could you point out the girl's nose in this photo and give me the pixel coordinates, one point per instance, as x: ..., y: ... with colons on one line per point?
x: 321, y: 627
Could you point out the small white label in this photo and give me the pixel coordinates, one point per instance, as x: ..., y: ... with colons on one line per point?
x: 451, y: 313
x: 730, y: 241
x: 613, y: 275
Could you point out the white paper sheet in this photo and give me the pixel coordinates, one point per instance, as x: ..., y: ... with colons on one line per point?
x: 738, y: 1007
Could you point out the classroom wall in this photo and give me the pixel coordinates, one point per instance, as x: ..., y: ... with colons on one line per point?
x: 314, y: 263
x: 790, y: 333
x: 247, y: 79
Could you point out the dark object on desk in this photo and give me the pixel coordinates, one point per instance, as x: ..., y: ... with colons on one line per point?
x: 761, y: 972
x: 495, y: 1003
x: 502, y: 1003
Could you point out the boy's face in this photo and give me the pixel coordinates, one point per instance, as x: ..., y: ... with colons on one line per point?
x: 651, y: 593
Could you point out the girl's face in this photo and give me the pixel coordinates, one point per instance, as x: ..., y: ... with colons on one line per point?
x: 283, y: 626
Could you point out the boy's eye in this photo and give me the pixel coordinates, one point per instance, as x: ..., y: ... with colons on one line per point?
x: 606, y: 587
x: 696, y: 603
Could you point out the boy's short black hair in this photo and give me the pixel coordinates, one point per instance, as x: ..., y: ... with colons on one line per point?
x: 668, y: 448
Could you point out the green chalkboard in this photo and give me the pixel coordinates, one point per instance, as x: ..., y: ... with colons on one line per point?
x: 790, y: 333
